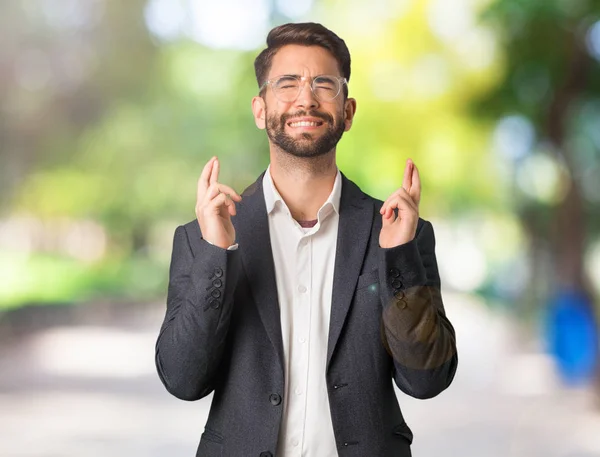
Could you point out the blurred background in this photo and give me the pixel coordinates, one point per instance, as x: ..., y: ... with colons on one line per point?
x: 109, y: 110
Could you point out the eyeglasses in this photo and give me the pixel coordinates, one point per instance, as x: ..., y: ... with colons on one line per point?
x: 287, y: 88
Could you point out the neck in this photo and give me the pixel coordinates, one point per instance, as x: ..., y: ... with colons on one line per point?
x: 304, y: 183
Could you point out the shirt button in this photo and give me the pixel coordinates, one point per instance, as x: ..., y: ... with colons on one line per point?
x: 301, y: 289
x: 302, y: 340
x: 295, y: 443
x: 298, y: 391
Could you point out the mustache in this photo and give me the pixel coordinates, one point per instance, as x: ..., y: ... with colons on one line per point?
x: 323, y: 116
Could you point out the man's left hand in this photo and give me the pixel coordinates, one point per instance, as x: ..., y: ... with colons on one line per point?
x: 402, y: 229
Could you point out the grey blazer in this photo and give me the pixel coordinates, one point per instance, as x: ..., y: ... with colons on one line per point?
x: 222, y: 332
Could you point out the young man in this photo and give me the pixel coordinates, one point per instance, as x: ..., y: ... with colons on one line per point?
x: 300, y: 301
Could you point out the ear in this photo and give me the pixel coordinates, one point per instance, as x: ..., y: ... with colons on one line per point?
x: 349, y: 112
x: 259, y: 111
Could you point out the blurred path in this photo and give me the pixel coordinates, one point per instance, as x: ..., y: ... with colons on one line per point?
x: 92, y: 391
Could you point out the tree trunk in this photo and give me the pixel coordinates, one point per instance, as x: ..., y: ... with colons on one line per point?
x: 569, y: 222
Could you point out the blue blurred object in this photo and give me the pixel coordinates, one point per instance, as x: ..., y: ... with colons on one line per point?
x: 572, y: 333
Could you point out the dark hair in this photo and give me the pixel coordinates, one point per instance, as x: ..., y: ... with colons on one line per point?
x: 305, y: 34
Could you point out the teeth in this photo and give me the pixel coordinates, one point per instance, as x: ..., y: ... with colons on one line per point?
x: 304, y: 124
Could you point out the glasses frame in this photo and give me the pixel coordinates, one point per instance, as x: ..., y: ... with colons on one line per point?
x: 301, y: 80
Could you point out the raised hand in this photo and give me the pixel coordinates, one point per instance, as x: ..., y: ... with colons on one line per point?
x: 215, y: 206
x: 402, y: 229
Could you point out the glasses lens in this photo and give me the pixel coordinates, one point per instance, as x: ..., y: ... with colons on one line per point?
x: 286, y: 88
x: 326, y: 87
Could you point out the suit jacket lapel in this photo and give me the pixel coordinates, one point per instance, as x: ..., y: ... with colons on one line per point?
x: 252, y: 232
x: 356, y: 219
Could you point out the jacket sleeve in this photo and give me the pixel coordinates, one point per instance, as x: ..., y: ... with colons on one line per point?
x: 415, y: 329
x: 190, y: 345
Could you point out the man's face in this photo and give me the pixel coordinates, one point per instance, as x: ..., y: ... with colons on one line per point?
x: 307, y: 126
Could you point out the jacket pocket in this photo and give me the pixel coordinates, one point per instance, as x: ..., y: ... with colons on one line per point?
x: 404, y: 431
x: 211, y: 435
x: 367, y: 279
x: 211, y: 444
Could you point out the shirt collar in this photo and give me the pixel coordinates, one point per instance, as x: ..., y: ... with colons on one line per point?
x: 272, y: 196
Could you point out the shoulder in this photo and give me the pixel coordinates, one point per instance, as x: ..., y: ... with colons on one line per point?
x: 192, y: 227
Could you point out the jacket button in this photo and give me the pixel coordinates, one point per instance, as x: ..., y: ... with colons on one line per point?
x: 275, y: 400
x: 394, y: 272
x: 266, y: 454
x: 216, y: 293
x: 214, y: 304
x: 396, y: 284
x: 217, y: 283
x: 218, y: 272
x: 400, y: 299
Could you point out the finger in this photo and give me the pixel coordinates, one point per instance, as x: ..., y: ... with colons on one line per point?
x: 219, y: 202
x: 404, y: 204
x: 211, y: 193
x: 229, y: 191
x: 407, y: 181
x: 408, y: 199
x: 387, y: 201
x: 203, y: 179
x: 218, y: 188
x: 387, y: 219
x: 214, y: 175
x: 397, y: 193
x: 389, y: 212
x: 415, y: 190
x: 231, y: 208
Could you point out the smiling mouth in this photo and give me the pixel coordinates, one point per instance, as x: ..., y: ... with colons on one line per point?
x: 305, y: 124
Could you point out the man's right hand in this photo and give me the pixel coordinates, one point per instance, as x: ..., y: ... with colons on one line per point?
x: 215, y: 206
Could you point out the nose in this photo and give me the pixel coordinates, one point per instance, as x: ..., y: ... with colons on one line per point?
x: 306, y: 97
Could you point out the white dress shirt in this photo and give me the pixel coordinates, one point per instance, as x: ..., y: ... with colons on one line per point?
x: 304, y: 264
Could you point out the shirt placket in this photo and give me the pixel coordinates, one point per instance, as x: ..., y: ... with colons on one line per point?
x: 300, y: 345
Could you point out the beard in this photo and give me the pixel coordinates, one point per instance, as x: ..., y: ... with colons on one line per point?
x: 306, y: 145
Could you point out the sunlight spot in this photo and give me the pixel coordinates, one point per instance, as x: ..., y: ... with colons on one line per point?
x: 593, y: 40
x: 233, y: 24
x: 387, y: 82
x: 450, y: 20
x: 165, y: 18
x: 225, y: 24
x: 513, y: 137
x: 430, y: 77
x: 543, y: 178
x: 592, y: 264
x: 294, y: 9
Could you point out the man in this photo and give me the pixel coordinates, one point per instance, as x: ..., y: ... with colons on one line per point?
x: 298, y: 302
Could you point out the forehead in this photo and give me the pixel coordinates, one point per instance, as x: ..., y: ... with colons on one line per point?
x: 303, y: 60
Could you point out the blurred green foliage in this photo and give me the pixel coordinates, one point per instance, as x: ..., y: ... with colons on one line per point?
x: 103, y: 121
x: 552, y: 81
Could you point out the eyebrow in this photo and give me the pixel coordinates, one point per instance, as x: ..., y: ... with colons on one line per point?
x: 299, y: 76
x: 325, y: 77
